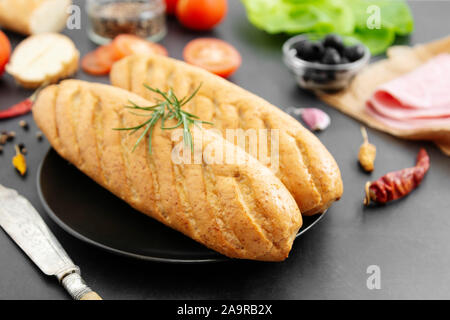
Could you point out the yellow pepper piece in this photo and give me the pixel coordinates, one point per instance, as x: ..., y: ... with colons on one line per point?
x: 19, y: 162
x: 367, y: 153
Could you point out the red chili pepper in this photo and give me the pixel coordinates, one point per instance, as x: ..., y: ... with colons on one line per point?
x: 16, y: 110
x: 22, y: 107
x: 396, y: 185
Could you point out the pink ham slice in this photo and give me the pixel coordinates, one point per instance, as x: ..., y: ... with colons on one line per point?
x: 418, y: 99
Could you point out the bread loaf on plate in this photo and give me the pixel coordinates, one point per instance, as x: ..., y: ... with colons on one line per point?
x: 305, y: 167
x: 34, y: 16
x: 241, y: 210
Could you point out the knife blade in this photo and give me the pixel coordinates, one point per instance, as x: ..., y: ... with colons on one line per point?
x: 24, y: 225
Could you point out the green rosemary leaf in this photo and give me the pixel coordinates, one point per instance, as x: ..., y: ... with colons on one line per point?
x: 164, y: 95
x: 166, y: 109
x: 174, y: 127
x: 203, y: 122
x: 184, y: 102
x: 150, y: 134
x: 189, y: 114
x: 141, y: 137
x: 132, y: 128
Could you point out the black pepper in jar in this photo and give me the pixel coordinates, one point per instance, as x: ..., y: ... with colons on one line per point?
x: 143, y: 18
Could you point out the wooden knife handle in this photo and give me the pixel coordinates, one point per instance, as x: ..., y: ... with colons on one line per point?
x: 77, y: 288
x: 91, y: 296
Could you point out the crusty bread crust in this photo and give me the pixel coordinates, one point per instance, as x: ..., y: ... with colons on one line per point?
x: 240, y: 210
x: 307, y: 169
x: 16, y: 15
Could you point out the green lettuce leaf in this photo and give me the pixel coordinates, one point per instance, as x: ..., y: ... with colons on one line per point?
x: 377, y: 40
x: 346, y: 17
x: 298, y: 16
x: 395, y: 14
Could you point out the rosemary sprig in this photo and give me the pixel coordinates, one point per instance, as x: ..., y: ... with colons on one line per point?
x: 166, y: 109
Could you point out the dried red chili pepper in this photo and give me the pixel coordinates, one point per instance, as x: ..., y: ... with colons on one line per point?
x: 396, y: 185
x: 16, y: 110
x: 22, y: 107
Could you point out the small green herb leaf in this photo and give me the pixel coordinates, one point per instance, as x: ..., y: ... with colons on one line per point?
x: 166, y: 109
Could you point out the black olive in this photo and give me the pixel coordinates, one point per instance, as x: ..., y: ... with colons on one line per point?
x: 354, y: 53
x: 331, y: 75
x: 331, y: 56
x: 318, y: 51
x: 320, y: 77
x: 344, y: 60
x: 304, y: 49
x: 334, y: 41
x: 309, y: 51
x: 308, y: 75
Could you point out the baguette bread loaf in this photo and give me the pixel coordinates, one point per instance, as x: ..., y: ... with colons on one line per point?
x: 306, y: 167
x: 34, y: 16
x: 43, y: 59
x: 240, y: 210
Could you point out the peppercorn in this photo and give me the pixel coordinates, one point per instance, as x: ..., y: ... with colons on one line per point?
x: 3, y: 139
x: 22, y: 148
x: 39, y: 135
x: 23, y: 124
x: 11, y: 135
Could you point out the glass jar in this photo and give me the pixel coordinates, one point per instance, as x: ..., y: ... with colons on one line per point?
x: 109, y: 18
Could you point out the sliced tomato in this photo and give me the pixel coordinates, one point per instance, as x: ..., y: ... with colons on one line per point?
x: 5, y: 51
x: 99, y: 62
x: 126, y: 45
x: 214, y: 55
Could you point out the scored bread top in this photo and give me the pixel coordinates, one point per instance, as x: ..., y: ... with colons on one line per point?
x: 240, y: 210
x: 306, y: 167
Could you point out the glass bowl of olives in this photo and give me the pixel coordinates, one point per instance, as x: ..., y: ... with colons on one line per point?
x: 327, y: 63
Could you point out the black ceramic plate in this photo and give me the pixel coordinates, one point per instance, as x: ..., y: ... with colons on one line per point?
x: 91, y: 213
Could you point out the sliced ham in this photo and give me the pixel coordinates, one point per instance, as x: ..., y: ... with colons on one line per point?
x: 419, y: 99
x: 403, y: 108
x: 408, y: 124
x: 390, y: 107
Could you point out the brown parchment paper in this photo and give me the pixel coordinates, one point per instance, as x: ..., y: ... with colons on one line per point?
x: 400, y: 60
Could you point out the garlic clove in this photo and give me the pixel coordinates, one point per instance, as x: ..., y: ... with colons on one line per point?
x: 315, y: 119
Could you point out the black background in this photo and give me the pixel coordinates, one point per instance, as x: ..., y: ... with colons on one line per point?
x: 409, y: 240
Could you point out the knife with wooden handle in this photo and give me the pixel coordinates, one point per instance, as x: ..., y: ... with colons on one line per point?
x: 25, y: 226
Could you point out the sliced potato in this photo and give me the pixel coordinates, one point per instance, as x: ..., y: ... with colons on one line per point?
x: 43, y: 58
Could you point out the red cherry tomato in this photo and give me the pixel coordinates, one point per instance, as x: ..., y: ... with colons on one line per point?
x: 5, y: 51
x: 201, y: 14
x: 171, y: 6
x: 126, y: 45
x: 214, y: 55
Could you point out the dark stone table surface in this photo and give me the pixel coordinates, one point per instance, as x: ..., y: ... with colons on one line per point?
x: 409, y: 240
